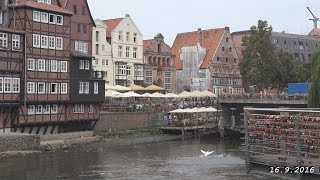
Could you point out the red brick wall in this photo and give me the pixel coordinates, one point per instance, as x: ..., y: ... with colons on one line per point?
x: 123, y: 120
x: 78, y: 18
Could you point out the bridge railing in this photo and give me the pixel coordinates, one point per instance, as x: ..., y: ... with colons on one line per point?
x: 281, y: 96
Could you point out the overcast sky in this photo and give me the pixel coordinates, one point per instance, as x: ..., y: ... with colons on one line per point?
x: 170, y: 17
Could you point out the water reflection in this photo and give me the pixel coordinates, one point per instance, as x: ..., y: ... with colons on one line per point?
x: 168, y: 160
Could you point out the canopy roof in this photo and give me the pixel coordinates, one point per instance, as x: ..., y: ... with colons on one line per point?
x: 111, y: 93
x: 154, y: 88
x: 117, y: 88
x: 135, y: 87
x: 171, y: 95
x: 128, y: 94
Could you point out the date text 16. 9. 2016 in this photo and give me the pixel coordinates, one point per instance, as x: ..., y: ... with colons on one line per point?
x: 296, y: 169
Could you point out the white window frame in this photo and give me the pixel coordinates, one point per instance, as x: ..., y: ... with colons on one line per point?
x: 54, y: 66
x: 36, y: 16
x: 46, y: 109
x: 39, y: 109
x: 44, y: 41
x: 3, y: 40
x: 59, y: 43
x: 43, y: 91
x: 64, y: 88
x: 138, y: 70
x: 31, y: 64
x: 127, y: 52
x: 86, y: 88
x: 54, y: 18
x: 86, y: 64
x: 149, y: 76
x: 31, y: 109
x: 7, y: 81
x: 90, y: 108
x: 61, y: 18
x: 96, y: 88
x: 56, y: 89
x: 16, y: 85
x: 1, y: 85
x: 81, y: 88
x: 134, y: 52
x: 36, y: 40
x: 81, y: 64
x: 167, y: 80
x: 121, y: 70
x: 120, y: 51
x: 52, y: 42
x: 80, y: 46
x: 44, y: 17
x: 54, y: 109
x: 41, y: 65
x: 15, y: 42
x: 64, y: 66
x: 30, y: 87
x: 128, y: 71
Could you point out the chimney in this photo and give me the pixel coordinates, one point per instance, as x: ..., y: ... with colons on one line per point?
x: 227, y: 28
x: 127, y: 15
x: 5, y: 11
x: 200, y: 36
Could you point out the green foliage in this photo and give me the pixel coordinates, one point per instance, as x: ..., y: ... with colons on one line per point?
x: 266, y: 67
x: 314, y: 91
x: 302, y: 72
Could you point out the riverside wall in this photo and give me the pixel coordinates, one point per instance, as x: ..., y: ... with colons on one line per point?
x: 128, y: 120
x: 19, y: 142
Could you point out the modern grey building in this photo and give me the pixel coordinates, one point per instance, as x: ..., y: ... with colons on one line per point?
x: 300, y: 46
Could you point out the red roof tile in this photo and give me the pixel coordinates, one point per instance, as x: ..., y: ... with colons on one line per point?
x: 237, y: 41
x: 315, y: 32
x: 210, y: 40
x: 111, y: 25
x: 42, y: 6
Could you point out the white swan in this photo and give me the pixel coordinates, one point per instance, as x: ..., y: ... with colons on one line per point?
x: 206, y: 153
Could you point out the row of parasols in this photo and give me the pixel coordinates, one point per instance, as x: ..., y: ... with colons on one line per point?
x: 185, y: 94
x: 194, y: 110
x: 134, y: 87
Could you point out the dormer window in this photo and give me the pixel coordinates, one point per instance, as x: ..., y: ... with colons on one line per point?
x: 45, y: 1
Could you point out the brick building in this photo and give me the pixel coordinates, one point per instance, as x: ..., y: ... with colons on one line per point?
x: 47, y: 91
x: 300, y: 46
x: 207, y: 60
x: 159, y: 67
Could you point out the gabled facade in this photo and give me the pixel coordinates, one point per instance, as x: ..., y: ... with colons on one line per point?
x: 159, y: 65
x: 126, y: 47
x: 102, y: 62
x: 40, y: 34
x: 87, y: 90
x: 207, y: 60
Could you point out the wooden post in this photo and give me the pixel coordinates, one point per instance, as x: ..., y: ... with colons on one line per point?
x: 298, y: 143
x: 247, y: 146
x: 221, y: 127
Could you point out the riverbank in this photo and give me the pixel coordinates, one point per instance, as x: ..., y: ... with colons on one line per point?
x: 135, y: 136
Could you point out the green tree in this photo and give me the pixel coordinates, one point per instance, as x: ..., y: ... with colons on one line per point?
x: 284, y: 70
x: 262, y: 64
x: 302, y: 72
x: 258, y: 64
x: 314, y: 91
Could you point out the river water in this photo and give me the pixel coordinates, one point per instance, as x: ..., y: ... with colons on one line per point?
x: 179, y: 159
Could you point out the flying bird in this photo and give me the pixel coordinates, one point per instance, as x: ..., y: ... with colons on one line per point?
x: 206, y: 153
